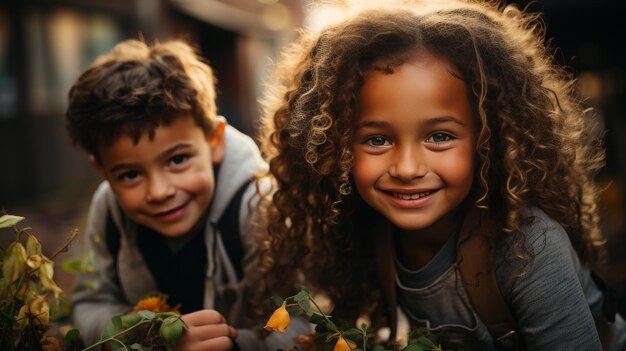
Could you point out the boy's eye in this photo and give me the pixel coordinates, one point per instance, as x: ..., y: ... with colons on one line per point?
x: 178, y: 159
x: 131, y: 175
x: 377, y: 141
x: 439, y: 137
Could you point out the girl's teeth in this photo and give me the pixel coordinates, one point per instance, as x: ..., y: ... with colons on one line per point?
x: 411, y: 196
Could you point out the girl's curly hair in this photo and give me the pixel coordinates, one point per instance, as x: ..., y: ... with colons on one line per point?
x: 534, y: 148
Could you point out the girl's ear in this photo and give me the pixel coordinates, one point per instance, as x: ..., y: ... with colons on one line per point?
x: 97, y: 165
x: 217, y: 140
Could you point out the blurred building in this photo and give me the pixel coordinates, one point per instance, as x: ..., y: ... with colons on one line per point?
x: 45, y: 44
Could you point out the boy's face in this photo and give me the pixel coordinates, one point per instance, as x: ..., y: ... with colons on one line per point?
x: 165, y: 183
x: 414, y: 144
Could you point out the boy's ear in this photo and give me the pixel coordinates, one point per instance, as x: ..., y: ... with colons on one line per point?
x: 95, y: 164
x: 217, y: 140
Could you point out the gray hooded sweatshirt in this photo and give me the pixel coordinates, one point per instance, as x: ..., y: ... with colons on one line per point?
x: 98, y: 297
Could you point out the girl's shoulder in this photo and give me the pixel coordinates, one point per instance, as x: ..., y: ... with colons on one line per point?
x: 540, y: 231
x: 546, y: 247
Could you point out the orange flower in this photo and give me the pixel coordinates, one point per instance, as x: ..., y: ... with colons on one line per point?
x: 155, y: 304
x: 279, y: 321
x: 344, y: 345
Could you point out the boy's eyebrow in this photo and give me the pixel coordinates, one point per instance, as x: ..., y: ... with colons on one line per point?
x: 174, y: 149
x: 162, y: 155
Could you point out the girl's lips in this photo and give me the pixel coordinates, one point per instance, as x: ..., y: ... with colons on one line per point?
x: 411, y: 199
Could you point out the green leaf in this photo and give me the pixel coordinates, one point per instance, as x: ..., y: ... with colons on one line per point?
x: 7, y: 221
x: 145, y: 314
x: 425, y: 341
x: 317, y: 319
x: 352, y: 331
x: 130, y: 320
x: 378, y: 348
x: 277, y: 300
x: 305, y: 305
x: 71, y: 340
x: 113, y: 327
x: 414, y: 347
x: 72, y: 265
x: 136, y: 346
x: 171, y: 330
x: 303, y: 288
x: 301, y: 296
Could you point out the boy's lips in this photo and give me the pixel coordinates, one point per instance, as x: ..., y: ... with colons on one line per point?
x: 173, y: 213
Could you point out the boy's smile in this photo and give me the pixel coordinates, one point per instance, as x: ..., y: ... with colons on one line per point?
x: 414, y: 144
x: 165, y: 183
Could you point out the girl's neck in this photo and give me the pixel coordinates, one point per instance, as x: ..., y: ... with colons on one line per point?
x: 417, y: 247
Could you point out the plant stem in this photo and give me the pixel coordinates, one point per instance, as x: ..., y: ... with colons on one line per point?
x: 113, y: 338
x: 323, y: 314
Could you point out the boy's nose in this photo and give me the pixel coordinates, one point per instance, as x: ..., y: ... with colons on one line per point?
x: 159, y: 189
x: 408, y: 165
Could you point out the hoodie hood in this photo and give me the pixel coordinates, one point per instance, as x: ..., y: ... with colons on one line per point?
x: 242, y: 161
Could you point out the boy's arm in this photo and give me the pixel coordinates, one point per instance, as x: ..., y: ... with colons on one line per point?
x: 97, y: 297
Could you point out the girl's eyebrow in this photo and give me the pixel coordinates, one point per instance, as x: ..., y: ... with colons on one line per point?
x: 371, y: 124
x: 444, y: 119
x: 428, y: 122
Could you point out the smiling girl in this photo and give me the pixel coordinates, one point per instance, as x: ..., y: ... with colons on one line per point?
x: 402, y: 133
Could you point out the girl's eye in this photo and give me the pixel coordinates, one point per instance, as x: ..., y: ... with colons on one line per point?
x: 377, y: 141
x: 439, y: 138
x: 178, y: 159
x: 128, y: 176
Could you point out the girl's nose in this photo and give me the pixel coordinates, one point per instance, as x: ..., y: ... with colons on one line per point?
x: 159, y: 188
x: 408, y: 165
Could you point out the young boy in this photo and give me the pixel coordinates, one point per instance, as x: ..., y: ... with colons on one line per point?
x: 147, y: 117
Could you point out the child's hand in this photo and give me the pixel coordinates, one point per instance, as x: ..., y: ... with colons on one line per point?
x: 207, y: 331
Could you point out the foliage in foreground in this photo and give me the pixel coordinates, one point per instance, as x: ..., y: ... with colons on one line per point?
x: 29, y: 296
x: 328, y: 336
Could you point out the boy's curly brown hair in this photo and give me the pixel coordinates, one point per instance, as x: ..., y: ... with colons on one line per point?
x: 137, y: 87
x: 534, y: 146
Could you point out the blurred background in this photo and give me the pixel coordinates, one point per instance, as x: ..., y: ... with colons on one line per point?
x: 46, y: 44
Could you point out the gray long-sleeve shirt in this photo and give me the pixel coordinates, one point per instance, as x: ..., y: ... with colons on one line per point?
x: 554, y: 300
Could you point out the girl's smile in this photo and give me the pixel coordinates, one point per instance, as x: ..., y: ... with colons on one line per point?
x: 412, y: 198
x: 414, y: 145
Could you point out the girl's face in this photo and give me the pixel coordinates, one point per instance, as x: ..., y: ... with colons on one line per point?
x: 414, y: 143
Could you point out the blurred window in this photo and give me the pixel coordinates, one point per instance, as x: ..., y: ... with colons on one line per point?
x: 8, y: 82
x: 60, y: 45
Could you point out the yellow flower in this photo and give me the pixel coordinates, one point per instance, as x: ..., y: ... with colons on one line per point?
x: 279, y: 321
x: 344, y: 345
x: 46, y: 271
x: 37, y: 308
x: 33, y: 247
x: 14, y: 263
